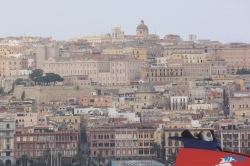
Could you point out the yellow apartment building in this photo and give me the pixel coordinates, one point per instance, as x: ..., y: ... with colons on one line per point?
x: 140, y: 53
x: 171, y: 74
x: 113, y: 50
x: 145, y: 138
x: 192, y: 57
x: 6, y: 52
x: 66, y: 119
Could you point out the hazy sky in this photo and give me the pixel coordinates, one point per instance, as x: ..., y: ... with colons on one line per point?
x: 223, y: 20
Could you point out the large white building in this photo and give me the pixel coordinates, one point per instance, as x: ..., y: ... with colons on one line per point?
x: 179, y: 102
x: 131, y: 116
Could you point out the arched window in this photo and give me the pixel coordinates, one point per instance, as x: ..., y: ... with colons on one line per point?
x: 8, y: 126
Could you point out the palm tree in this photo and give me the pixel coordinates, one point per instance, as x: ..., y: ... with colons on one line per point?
x: 100, y: 159
x: 80, y: 159
x: 155, y: 148
x: 24, y: 160
x: 46, y: 156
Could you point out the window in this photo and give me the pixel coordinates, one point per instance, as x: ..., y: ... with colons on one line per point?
x: 8, y: 126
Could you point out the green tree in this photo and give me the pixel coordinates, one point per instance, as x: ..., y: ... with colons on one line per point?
x: 80, y: 159
x: 2, y: 91
x: 155, y: 148
x: 51, y: 77
x: 23, y: 95
x: 139, y: 115
x: 1, y: 163
x: 36, y: 75
x: 100, y: 159
x: 24, y: 160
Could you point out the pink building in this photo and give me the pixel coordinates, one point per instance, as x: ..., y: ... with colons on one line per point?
x: 102, y: 141
x: 29, y: 119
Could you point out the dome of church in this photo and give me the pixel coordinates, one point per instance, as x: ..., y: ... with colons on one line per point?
x: 146, y: 87
x: 142, y: 26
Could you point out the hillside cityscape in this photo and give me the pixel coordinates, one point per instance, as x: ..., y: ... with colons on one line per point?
x: 115, y: 99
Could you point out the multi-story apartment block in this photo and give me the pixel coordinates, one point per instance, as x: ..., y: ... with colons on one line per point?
x: 29, y: 119
x: 233, y: 136
x: 96, y: 101
x: 171, y: 74
x: 218, y: 67
x: 171, y: 146
x: 109, y: 72
x: 129, y: 142
x: 7, y: 127
x: 6, y: 52
x: 179, y: 102
x: 28, y: 62
x: 197, y: 69
x: 240, y: 99
x: 140, y: 53
x: 10, y: 66
x: 113, y: 50
x: 101, y: 141
x: 33, y: 142
x: 191, y: 57
x: 237, y: 55
x: 185, y: 48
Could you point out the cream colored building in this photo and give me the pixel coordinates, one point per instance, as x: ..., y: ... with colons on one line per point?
x: 237, y: 55
x: 10, y: 66
x: 118, y: 71
x: 192, y: 57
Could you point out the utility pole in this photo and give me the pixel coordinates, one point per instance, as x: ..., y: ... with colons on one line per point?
x: 51, y: 156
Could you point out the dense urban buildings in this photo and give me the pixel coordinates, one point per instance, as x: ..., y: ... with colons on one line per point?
x: 119, y: 97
